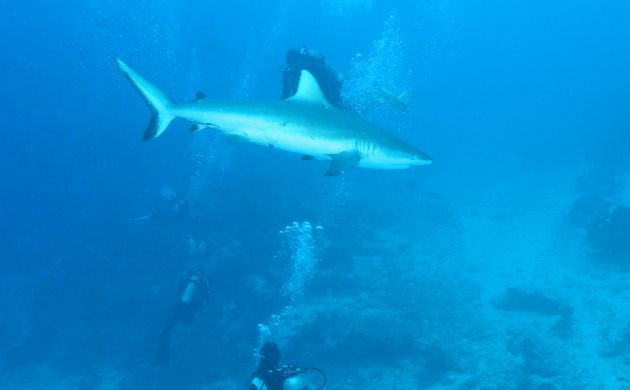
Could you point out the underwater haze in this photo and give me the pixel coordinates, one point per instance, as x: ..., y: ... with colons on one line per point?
x: 505, y: 264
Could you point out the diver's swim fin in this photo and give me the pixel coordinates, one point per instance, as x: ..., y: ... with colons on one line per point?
x: 163, y: 353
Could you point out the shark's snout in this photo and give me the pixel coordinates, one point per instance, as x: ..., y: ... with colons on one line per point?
x: 422, y: 159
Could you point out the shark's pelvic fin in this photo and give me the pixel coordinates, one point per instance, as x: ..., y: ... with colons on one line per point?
x: 195, y: 128
x: 308, y: 90
x: 159, y: 103
x: 343, y: 161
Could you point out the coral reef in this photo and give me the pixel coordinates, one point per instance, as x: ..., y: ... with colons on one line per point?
x: 600, y: 209
x: 520, y: 300
x: 608, y: 236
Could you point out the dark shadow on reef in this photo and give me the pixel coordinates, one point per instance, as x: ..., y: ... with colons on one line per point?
x: 516, y: 299
x: 606, y: 220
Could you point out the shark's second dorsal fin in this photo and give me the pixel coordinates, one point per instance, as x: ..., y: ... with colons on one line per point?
x: 308, y: 90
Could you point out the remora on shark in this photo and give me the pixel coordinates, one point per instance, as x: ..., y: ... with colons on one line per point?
x: 305, y: 123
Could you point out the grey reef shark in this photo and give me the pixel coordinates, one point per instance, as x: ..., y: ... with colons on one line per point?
x: 305, y: 123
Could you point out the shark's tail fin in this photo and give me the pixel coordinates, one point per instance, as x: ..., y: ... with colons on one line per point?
x: 159, y: 103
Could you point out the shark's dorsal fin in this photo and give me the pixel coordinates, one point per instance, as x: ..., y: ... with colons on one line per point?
x: 308, y: 90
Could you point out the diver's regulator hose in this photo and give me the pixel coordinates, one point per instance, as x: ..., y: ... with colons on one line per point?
x: 322, y: 373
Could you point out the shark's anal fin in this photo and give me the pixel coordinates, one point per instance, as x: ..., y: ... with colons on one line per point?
x: 200, y: 126
x: 341, y: 162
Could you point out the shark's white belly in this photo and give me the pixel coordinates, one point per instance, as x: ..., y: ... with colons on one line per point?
x: 318, y: 140
x: 297, y: 138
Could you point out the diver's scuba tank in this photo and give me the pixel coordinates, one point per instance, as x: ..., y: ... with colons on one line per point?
x: 195, y: 290
x: 295, y: 378
x: 190, y: 289
x: 295, y: 382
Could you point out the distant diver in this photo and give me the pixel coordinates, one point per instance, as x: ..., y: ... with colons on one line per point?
x: 329, y: 80
x: 194, y: 290
x: 270, y: 375
x: 169, y: 208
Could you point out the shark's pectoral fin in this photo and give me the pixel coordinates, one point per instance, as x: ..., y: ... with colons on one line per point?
x: 343, y: 161
x: 308, y: 157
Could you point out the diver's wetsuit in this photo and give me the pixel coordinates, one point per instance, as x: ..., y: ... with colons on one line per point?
x: 270, y: 379
x: 193, y: 292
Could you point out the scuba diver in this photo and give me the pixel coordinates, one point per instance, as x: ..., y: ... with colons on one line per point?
x: 329, y: 80
x: 193, y: 291
x: 331, y: 83
x: 270, y: 375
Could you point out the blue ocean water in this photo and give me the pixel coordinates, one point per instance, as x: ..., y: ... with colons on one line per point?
x: 503, y: 265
